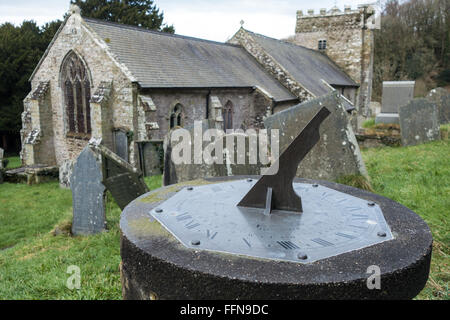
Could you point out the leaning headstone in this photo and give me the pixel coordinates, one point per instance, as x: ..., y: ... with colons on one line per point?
x: 395, y: 94
x: 419, y: 122
x: 441, y: 98
x: 123, y: 181
x: 88, y: 194
x: 337, y: 153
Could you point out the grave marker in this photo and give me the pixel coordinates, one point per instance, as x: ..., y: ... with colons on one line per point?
x: 441, y: 98
x: 395, y: 94
x: 120, y: 178
x: 419, y: 122
x: 88, y: 195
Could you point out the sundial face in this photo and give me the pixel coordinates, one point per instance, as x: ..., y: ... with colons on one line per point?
x: 208, y: 218
x: 272, y: 219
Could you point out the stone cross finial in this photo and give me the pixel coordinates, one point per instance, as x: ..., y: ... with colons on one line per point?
x: 74, y: 9
x: 242, y: 23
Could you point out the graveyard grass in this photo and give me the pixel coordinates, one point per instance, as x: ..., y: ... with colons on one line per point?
x: 37, y: 249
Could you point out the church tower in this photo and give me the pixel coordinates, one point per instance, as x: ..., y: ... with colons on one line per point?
x: 347, y: 38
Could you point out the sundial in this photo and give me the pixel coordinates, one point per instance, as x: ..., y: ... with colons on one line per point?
x: 272, y: 237
x: 274, y: 218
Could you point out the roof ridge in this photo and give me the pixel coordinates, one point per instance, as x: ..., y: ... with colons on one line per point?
x: 321, y: 54
x: 141, y: 29
x: 281, y: 40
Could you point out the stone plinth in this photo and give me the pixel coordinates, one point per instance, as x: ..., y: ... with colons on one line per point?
x: 155, y: 265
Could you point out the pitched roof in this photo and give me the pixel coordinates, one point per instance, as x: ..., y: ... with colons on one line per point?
x: 307, y: 66
x: 162, y: 60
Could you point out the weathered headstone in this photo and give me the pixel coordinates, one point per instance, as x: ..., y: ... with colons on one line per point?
x: 441, y: 98
x: 419, y: 122
x: 121, y: 144
x: 395, y: 94
x: 88, y: 194
x: 336, y: 154
x: 1, y: 166
x: 375, y: 108
x: 123, y: 181
x: 151, y: 154
x: 65, y: 172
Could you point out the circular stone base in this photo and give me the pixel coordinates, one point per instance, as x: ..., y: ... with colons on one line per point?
x: 155, y: 265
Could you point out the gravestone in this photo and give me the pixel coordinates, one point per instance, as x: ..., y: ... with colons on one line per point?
x: 121, y: 144
x: 395, y: 94
x: 176, y: 173
x: 88, y: 194
x: 441, y: 98
x: 65, y: 172
x: 1, y: 158
x: 336, y: 154
x: 151, y: 157
x: 419, y: 122
x: 375, y: 108
x: 123, y: 181
x: 2, y: 166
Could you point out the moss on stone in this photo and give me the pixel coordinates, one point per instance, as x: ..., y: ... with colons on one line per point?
x: 143, y: 227
x: 161, y: 194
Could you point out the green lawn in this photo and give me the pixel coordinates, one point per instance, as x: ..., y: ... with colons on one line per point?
x: 33, y: 262
x: 14, y: 162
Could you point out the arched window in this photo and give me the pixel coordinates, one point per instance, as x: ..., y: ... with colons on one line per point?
x: 77, y: 93
x: 227, y: 115
x: 176, y: 117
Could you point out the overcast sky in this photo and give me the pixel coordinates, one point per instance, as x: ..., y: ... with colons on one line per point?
x: 208, y: 19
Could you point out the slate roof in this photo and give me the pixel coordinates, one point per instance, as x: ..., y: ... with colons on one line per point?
x: 307, y: 66
x: 161, y: 60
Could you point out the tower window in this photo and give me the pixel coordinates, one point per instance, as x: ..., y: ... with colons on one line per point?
x: 322, y: 44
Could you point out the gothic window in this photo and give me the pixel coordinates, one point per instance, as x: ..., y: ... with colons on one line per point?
x: 322, y: 44
x: 176, y: 116
x: 77, y: 93
x: 227, y: 115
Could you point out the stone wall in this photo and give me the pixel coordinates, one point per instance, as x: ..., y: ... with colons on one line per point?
x: 349, y: 44
x: 249, y: 107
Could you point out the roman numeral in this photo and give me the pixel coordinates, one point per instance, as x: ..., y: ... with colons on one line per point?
x: 183, y: 216
x: 288, y: 245
x: 322, y: 242
x: 209, y: 235
x: 191, y: 224
x: 345, y: 235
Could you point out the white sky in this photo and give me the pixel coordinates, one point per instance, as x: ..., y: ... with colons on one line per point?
x: 207, y: 19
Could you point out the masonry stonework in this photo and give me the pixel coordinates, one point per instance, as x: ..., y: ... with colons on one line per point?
x: 76, y: 36
x: 245, y: 39
x: 349, y: 43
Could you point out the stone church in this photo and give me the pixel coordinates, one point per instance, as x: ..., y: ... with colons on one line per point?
x: 129, y: 86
